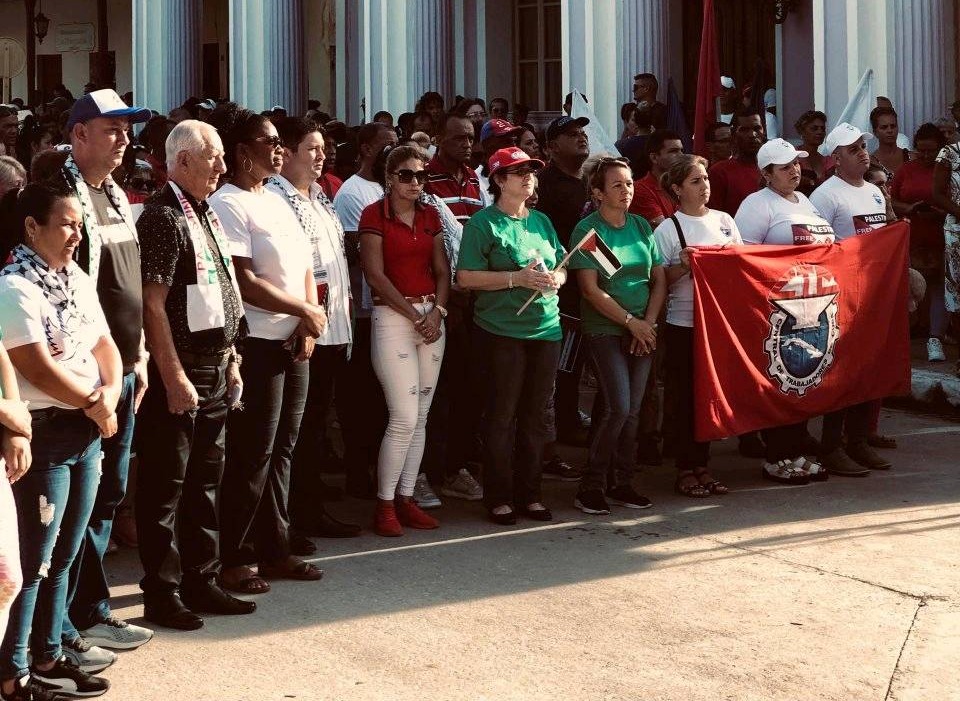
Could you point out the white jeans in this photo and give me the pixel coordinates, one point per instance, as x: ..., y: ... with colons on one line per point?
x: 408, y: 369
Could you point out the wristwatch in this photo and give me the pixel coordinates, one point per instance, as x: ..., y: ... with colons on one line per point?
x: 626, y: 321
x: 443, y: 310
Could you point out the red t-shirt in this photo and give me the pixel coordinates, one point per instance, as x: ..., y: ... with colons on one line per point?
x: 650, y: 201
x: 407, y: 253
x: 914, y: 183
x: 730, y: 183
x: 330, y: 184
x: 461, y: 196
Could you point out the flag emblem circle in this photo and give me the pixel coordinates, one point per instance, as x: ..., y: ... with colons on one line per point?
x: 803, y: 328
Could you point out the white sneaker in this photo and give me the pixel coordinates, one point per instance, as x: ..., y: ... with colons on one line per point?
x: 463, y: 486
x: 115, y: 634
x: 89, y: 658
x: 935, y: 352
x: 424, y: 495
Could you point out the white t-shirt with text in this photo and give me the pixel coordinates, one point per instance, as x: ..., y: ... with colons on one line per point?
x: 715, y: 228
x: 767, y: 217
x: 850, y: 210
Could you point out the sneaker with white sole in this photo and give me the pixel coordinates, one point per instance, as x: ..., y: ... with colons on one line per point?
x: 462, y: 486
x: 114, y: 634
x: 66, y: 678
x: 591, y: 501
x: 30, y: 689
x: 935, y: 352
x: 424, y: 495
x: 90, y: 658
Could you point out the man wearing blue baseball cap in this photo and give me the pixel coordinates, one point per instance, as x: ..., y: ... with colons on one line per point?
x: 98, y: 126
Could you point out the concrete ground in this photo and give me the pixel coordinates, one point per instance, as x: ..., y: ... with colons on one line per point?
x: 847, y: 589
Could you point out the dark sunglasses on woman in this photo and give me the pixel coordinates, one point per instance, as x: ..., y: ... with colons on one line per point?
x: 406, y: 176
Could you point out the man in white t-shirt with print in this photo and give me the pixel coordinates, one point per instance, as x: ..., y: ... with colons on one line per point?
x: 852, y: 206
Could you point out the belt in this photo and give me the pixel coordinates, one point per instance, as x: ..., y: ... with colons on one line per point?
x: 203, y: 358
x: 422, y: 299
x: 54, y: 411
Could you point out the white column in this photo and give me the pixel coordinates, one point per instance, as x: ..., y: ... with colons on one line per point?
x: 267, y: 55
x: 166, y: 52
x: 431, y: 48
x: 643, y: 28
x: 920, y: 48
x: 588, y: 43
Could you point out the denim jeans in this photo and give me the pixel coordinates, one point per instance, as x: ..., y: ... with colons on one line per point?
x: 519, y: 379
x: 181, y: 462
x: 89, y: 598
x: 260, y: 442
x: 623, y: 379
x: 408, y: 369
x: 54, y: 501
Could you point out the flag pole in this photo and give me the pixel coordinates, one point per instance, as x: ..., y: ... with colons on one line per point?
x: 562, y: 263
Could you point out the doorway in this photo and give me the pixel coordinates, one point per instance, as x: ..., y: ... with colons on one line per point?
x: 49, y: 74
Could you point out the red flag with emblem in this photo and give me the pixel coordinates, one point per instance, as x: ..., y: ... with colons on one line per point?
x: 787, y: 333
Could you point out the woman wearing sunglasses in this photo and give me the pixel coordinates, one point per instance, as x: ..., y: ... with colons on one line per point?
x: 273, y: 259
x: 405, y: 263
x: 508, y: 252
x: 619, y: 308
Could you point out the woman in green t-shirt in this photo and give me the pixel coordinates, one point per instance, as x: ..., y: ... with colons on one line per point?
x: 621, y: 297
x: 508, y: 251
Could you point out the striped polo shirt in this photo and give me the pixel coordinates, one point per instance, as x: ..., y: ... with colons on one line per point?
x: 461, y: 196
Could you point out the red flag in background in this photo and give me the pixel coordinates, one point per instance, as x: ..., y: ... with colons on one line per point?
x: 787, y: 333
x: 708, y: 81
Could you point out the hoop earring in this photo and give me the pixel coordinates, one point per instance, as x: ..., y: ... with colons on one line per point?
x: 247, y: 165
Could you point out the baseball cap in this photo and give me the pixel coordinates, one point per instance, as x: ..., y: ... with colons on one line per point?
x: 727, y: 82
x: 778, y: 152
x: 498, y: 127
x: 207, y: 104
x: 506, y: 157
x: 561, y: 124
x: 104, y: 103
x: 843, y: 134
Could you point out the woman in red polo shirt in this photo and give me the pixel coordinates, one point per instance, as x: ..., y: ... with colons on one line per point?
x: 405, y: 264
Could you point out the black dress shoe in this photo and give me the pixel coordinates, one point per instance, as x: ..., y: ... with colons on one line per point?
x: 170, y: 612
x: 507, y: 519
x: 326, y: 526
x: 210, y: 598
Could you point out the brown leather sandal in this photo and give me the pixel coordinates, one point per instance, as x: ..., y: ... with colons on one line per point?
x: 688, y: 485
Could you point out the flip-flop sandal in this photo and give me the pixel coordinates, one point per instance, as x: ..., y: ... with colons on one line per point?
x: 251, y: 584
x: 299, y: 571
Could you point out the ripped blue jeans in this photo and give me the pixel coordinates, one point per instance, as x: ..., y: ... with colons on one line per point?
x: 408, y: 369
x: 54, y: 501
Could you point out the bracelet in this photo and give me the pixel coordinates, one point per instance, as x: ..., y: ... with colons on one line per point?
x: 510, y: 281
x: 442, y: 309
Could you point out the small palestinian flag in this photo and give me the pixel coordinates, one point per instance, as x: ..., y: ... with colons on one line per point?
x: 593, y: 247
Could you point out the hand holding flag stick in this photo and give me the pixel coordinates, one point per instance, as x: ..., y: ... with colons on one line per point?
x: 592, y: 245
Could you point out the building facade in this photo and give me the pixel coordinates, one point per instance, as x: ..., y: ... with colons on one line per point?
x: 360, y: 56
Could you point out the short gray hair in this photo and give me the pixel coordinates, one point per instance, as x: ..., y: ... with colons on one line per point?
x: 10, y: 171
x: 188, y: 135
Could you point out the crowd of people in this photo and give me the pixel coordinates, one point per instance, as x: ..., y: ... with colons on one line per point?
x: 189, y: 313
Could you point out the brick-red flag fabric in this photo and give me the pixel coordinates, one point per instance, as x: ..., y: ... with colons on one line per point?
x: 786, y: 333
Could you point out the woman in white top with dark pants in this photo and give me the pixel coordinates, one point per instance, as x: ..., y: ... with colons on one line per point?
x: 688, y: 183
x: 273, y: 259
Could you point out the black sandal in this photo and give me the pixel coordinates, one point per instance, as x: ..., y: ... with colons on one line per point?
x: 692, y: 489
x: 712, y: 485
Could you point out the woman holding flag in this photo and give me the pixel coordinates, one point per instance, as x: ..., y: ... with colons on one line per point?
x: 623, y: 288
x: 507, y: 251
x: 693, y: 225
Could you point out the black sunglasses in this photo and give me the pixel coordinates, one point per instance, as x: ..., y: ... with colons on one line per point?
x: 406, y: 176
x: 271, y: 141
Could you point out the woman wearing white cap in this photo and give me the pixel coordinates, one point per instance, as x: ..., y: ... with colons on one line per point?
x: 781, y: 215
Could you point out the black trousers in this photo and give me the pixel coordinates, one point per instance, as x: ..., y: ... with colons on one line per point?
x: 519, y: 379
x: 785, y: 442
x: 181, y: 462
x: 326, y: 364
x: 678, y: 391
x: 855, y: 419
x: 254, y: 520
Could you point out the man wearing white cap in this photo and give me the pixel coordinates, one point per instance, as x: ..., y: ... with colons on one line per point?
x: 852, y: 206
x: 98, y: 126
x: 729, y: 99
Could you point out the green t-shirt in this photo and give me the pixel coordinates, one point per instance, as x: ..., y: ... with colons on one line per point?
x: 494, y: 241
x: 636, y: 248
